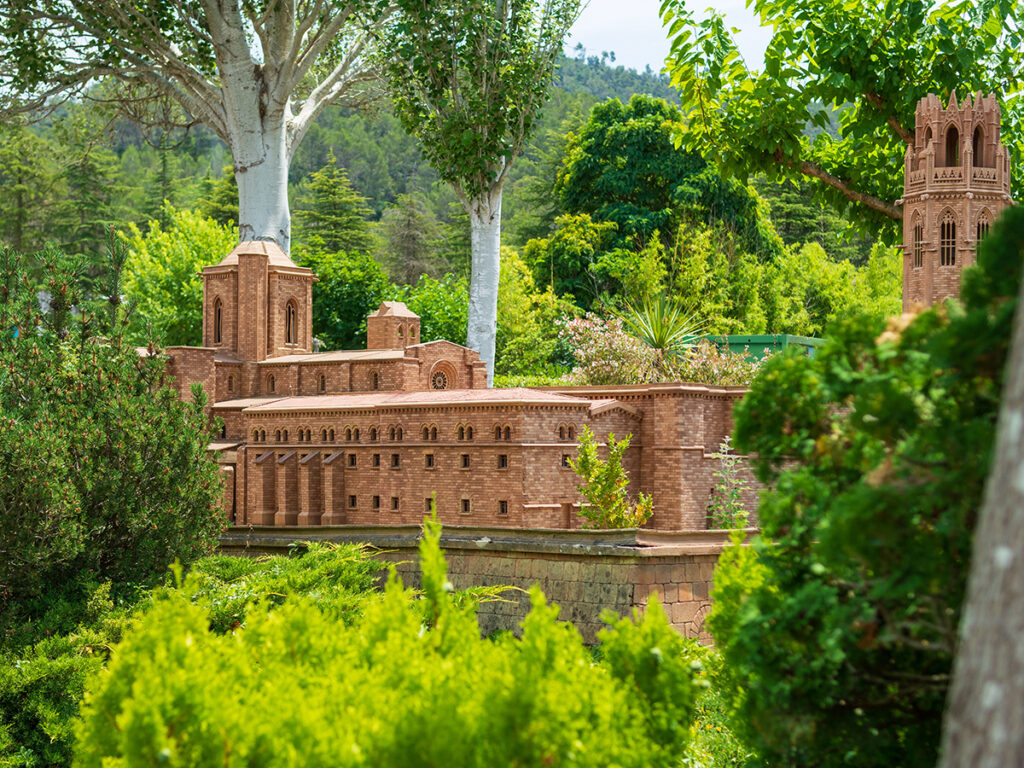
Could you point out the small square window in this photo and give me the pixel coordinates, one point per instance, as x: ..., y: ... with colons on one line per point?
x: 503, y: 507
x: 565, y: 461
x: 396, y: 459
x: 502, y: 461
x: 465, y: 506
x: 428, y: 460
x: 376, y: 459
x: 465, y: 461
x: 394, y: 502
x: 351, y: 459
x: 352, y: 501
x: 376, y: 502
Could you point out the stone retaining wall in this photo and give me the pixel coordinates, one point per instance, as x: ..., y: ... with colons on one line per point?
x: 584, y: 572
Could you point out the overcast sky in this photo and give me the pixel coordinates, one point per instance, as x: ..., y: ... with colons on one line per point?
x: 632, y: 29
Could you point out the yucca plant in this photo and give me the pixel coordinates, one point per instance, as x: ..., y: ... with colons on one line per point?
x: 664, y: 326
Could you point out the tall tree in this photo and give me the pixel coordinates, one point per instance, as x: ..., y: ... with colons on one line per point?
x: 258, y: 73
x: 332, y: 212
x: 986, y: 702
x: 871, y: 60
x: 468, y: 78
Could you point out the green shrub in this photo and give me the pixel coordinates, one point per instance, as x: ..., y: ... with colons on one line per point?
x: 605, y: 485
x: 838, y: 625
x: 411, y: 683
x: 41, y: 685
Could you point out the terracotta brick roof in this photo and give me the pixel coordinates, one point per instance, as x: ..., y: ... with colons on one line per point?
x: 243, y: 402
x: 393, y: 309
x: 517, y: 396
x: 338, y: 356
x: 278, y: 258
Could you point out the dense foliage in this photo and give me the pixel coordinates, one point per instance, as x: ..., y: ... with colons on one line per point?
x: 838, y: 626
x: 42, y: 684
x: 870, y: 61
x: 409, y: 683
x: 106, y: 474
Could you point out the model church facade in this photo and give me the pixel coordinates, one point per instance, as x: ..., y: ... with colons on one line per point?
x: 375, y: 436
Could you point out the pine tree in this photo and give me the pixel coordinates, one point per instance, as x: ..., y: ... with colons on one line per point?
x: 332, y: 214
x: 409, y: 231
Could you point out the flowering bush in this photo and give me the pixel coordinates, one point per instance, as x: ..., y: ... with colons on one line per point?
x: 606, y: 354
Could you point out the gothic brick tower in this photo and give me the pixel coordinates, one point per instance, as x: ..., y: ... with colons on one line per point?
x: 257, y: 304
x: 956, y: 183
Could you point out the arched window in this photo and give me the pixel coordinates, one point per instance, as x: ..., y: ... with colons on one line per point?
x: 330, y: 435
x: 291, y: 324
x: 947, y: 240
x: 285, y: 435
x: 426, y: 433
x: 928, y: 137
x: 508, y: 433
x: 497, y: 433
x: 271, y: 383
x: 433, y: 433
x: 255, y: 435
x: 322, y: 384
x: 309, y: 435
x: 469, y: 433
x: 301, y: 435
x: 348, y: 435
x: 399, y: 433
x: 952, y: 146
x: 561, y: 433
x: 978, y: 146
x: 355, y: 434
x: 572, y: 433
x: 375, y: 384
x: 323, y: 435
x: 263, y: 435
x: 231, y: 383
x: 983, y: 225
x: 218, y: 321
x: 277, y: 435
x: 391, y: 434
x: 462, y: 432
x: 918, y: 242
x: 373, y: 434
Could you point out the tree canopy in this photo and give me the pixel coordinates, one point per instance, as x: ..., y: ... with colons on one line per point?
x: 872, y: 62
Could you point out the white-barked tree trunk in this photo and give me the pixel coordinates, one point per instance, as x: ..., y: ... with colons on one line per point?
x: 485, y: 247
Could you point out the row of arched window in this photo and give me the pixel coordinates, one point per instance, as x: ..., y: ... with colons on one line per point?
x: 947, y: 237
x: 566, y: 431
x: 429, y: 432
x: 951, y: 145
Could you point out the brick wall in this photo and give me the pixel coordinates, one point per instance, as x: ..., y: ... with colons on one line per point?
x: 584, y: 572
x: 192, y: 364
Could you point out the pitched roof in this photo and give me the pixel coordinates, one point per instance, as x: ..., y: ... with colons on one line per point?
x: 278, y: 258
x: 368, y: 400
x: 338, y: 356
x: 394, y: 309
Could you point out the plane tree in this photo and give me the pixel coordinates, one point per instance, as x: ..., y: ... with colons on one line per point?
x: 257, y: 72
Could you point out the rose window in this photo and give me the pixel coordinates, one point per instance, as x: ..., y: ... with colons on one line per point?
x: 439, y: 380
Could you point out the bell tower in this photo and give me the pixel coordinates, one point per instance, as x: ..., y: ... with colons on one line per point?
x: 257, y: 304
x: 956, y: 183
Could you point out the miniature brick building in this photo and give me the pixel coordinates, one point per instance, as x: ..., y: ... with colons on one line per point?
x: 956, y: 183
x: 374, y: 436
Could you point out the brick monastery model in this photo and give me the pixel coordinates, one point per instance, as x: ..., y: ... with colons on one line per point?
x: 369, y: 436
x: 956, y: 183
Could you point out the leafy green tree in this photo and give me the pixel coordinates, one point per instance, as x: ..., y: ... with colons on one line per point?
x: 409, y: 233
x: 468, y: 78
x: 622, y: 167
x: 332, y: 213
x: 872, y: 61
x: 107, y: 475
x: 442, y: 304
x: 528, y: 321
x: 350, y: 286
x: 162, y: 275
x: 565, y: 260
x: 219, y: 199
x: 838, y: 625
x: 28, y: 178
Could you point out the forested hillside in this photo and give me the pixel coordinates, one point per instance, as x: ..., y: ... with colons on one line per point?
x: 600, y: 210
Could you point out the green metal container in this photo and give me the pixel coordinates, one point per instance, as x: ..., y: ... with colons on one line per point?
x: 757, y: 345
